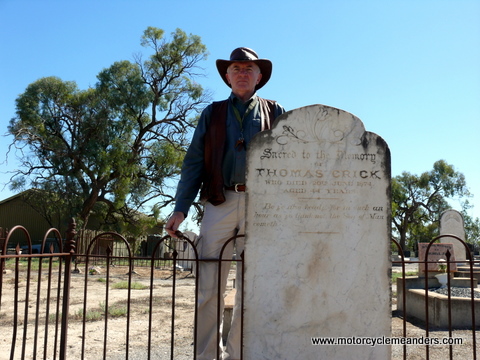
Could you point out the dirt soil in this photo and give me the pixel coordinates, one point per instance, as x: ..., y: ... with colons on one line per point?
x: 416, y: 329
x: 94, y: 334
x: 141, y: 312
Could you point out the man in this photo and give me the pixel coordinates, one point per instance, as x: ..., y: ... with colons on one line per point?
x: 215, y: 164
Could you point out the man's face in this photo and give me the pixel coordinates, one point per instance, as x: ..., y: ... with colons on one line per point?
x: 243, y: 77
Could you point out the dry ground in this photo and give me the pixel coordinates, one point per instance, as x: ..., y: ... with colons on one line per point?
x: 416, y: 329
x: 96, y: 304
x: 140, y: 313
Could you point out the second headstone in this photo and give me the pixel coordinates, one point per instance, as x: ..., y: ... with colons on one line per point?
x: 451, y: 223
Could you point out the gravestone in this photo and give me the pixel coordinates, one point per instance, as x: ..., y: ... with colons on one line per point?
x: 435, y: 253
x: 317, y: 238
x: 451, y: 223
x: 186, y: 254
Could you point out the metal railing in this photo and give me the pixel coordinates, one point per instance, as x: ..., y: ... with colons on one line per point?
x: 95, y: 305
x: 427, y: 285
x: 79, y: 312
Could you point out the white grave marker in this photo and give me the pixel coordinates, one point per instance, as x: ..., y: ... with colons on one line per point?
x: 317, y: 238
x: 451, y: 223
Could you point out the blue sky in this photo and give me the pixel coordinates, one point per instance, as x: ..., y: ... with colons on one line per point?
x: 410, y: 70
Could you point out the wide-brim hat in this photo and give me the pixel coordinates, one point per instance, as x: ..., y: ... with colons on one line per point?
x: 246, y: 54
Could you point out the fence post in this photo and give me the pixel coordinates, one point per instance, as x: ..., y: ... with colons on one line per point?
x: 70, y: 248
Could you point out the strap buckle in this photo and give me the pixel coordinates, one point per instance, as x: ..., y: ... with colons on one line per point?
x: 236, y: 187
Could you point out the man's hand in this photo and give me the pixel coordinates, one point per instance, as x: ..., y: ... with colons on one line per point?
x: 174, y: 222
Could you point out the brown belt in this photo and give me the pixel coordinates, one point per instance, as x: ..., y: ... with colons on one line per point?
x: 236, y: 188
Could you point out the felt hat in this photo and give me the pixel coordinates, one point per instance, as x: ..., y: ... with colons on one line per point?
x: 246, y: 54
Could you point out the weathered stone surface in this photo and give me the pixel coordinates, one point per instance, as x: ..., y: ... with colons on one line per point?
x: 451, y: 223
x: 317, y: 237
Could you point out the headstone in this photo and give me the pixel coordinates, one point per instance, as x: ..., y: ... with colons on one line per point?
x: 451, y: 223
x: 435, y: 253
x: 186, y: 252
x: 318, y: 232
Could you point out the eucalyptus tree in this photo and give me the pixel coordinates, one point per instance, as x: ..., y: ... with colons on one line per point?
x: 472, y: 228
x: 112, y: 147
x: 419, y: 200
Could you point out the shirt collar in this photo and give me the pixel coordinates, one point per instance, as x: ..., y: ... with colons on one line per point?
x: 236, y: 100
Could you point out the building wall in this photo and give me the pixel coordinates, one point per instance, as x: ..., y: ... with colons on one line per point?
x: 16, y: 212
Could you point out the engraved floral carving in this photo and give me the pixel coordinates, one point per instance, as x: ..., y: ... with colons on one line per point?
x: 323, y: 125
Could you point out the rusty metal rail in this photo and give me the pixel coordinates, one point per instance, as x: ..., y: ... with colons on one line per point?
x: 68, y: 322
x: 50, y: 307
x: 425, y: 322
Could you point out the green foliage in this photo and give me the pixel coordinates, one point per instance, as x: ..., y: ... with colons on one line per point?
x: 472, y: 228
x: 134, y: 285
x: 111, y: 148
x: 90, y: 315
x: 97, y: 314
x: 34, y: 263
x: 418, y: 201
x: 396, y: 275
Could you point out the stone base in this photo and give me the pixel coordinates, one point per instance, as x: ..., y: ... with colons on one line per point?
x: 464, y: 271
x: 228, y: 314
x: 461, y: 309
x: 437, y: 303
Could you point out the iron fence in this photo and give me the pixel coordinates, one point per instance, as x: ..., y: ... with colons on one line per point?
x: 115, y: 305
x: 416, y: 300
x: 103, y: 303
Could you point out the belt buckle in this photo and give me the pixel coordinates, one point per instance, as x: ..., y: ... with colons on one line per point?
x: 236, y: 187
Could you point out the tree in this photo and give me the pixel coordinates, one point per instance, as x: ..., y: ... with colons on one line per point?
x: 472, y: 228
x: 112, y: 148
x: 418, y: 201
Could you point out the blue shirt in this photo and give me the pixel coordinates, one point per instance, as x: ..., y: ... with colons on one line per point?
x: 234, y: 162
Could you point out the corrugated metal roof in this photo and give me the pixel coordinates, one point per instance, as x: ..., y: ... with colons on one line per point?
x: 13, y: 197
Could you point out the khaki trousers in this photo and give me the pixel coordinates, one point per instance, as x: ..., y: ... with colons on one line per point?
x: 219, y: 224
